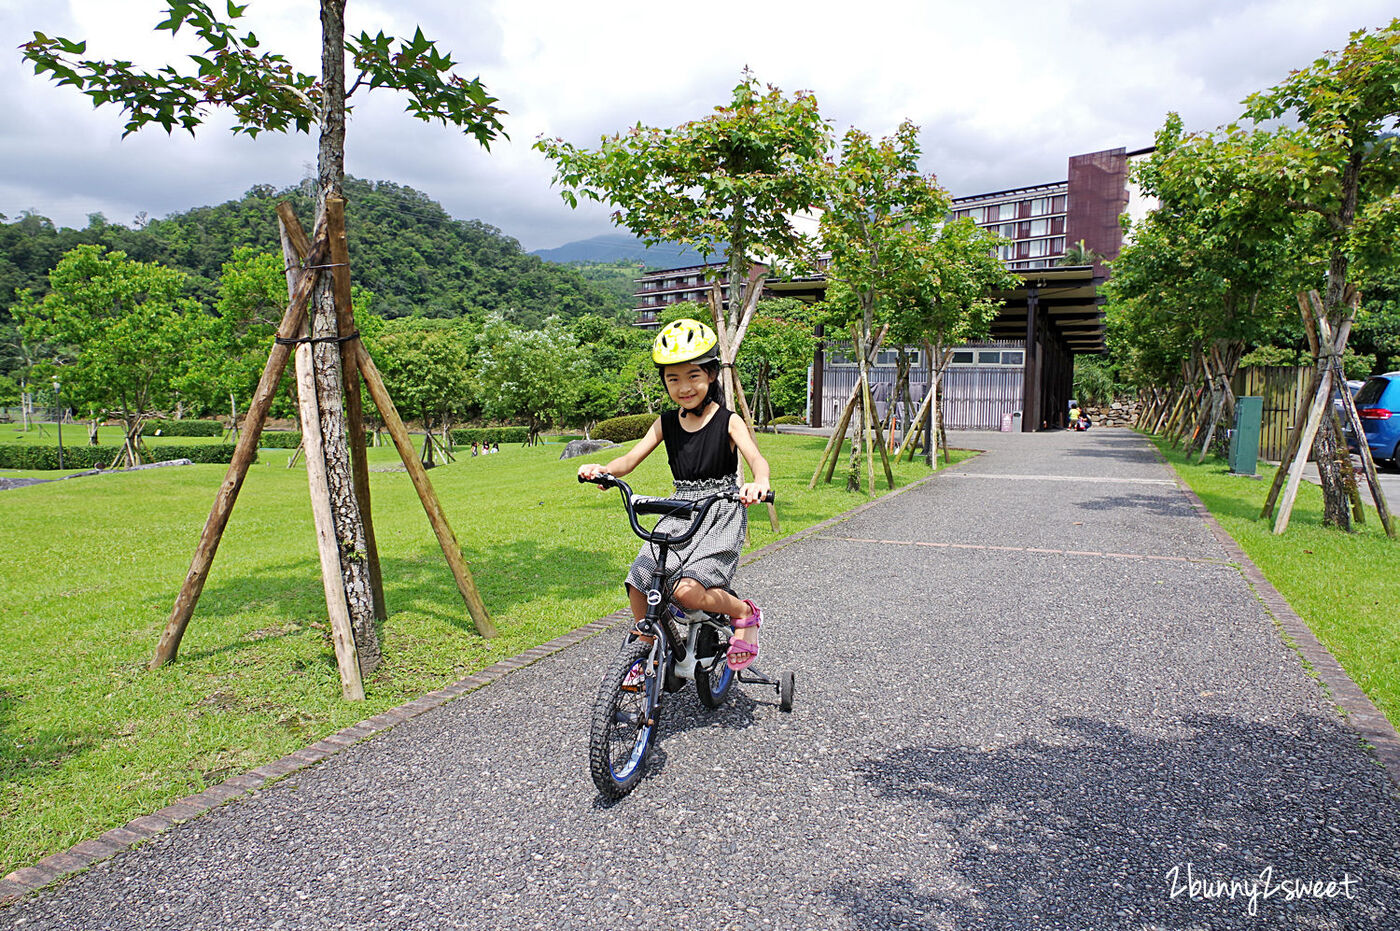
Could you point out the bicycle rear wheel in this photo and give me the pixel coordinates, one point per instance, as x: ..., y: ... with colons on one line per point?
x: 621, y: 734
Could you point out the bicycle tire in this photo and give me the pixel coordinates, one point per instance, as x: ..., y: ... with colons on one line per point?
x: 713, y: 685
x: 620, y: 736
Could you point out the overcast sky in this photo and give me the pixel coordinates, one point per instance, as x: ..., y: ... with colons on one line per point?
x: 1004, y: 91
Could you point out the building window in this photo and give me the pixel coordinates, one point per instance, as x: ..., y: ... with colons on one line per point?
x: 1039, y: 247
x: 1010, y: 211
x: 1006, y: 252
x: 988, y: 357
x: 1040, y: 206
x: 1057, y: 203
x: 1008, y: 230
x: 1039, y: 228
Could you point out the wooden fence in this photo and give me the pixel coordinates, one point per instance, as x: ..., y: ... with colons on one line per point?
x: 1281, y: 387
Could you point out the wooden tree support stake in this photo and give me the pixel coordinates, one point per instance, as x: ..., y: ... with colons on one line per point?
x: 346, y: 658
x: 436, y: 517
x: 1328, y: 351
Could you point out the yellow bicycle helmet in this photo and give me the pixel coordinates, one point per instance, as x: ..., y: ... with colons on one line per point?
x: 685, y: 340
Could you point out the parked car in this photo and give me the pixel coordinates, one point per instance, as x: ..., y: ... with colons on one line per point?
x: 1378, y: 404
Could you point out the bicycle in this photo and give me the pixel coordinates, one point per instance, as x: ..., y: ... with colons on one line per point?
x: 656, y: 658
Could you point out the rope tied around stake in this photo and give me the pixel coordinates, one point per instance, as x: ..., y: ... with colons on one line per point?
x: 307, y: 268
x: 313, y: 340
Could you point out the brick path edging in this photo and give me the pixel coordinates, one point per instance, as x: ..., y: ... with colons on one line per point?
x: 1357, y: 708
x: 90, y: 852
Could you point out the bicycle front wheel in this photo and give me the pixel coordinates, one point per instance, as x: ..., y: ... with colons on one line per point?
x: 713, y: 677
x: 623, y: 722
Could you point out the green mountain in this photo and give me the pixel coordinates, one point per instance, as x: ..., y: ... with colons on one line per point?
x: 407, y: 250
x: 614, y: 247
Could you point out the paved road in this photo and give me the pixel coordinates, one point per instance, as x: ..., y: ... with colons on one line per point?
x: 1031, y: 694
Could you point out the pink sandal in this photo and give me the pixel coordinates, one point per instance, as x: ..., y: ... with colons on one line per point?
x: 743, y: 648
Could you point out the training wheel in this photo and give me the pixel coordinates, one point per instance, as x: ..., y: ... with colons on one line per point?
x: 785, y: 686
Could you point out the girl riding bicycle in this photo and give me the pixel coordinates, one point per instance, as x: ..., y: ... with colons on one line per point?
x: 702, y: 439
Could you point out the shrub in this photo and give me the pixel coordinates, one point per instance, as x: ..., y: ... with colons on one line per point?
x: 206, y: 453
x: 291, y: 439
x: 182, y: 428
x: 789, y: 419
x: 92, y: 457
x: 466, y: 436
x: 279, y: 439
x: 623, y: 429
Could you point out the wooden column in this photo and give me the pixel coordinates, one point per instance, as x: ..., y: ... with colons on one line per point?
x: 1030, y: 416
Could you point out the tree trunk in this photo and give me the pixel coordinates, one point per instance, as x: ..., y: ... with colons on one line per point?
x: 1335, y: 510
x: 853, y: 468
x: 349, y: 528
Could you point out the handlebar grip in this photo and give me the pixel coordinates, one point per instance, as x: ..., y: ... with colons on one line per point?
x: 768, y: 498
x: 602, y: 480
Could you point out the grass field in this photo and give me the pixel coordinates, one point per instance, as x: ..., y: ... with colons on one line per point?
x: 1345, y: 586
x: 89, y: 738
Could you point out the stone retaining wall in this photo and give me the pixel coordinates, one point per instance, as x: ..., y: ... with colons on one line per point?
x: 1123, y: 412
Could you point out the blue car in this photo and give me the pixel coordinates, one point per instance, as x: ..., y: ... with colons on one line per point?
x: 1378, y: 404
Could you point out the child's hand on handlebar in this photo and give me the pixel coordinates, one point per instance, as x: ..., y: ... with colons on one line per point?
x: 590, y: 471
x: 753, y: 492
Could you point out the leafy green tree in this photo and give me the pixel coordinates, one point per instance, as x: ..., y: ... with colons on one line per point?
x: 1322, y: 150
x: 9, y: 391
x: 882, y: 215
x: 947, y: 301
x: 777, y: 352
x: 1205, y: 277
x: 527, y: 374
x: 733, y: 181
x: 616, y: 375
x: 226, y: 362
x: 1079, y: 254
x: 427, y: 367
x: 263, y: 92
x: 120, y: 328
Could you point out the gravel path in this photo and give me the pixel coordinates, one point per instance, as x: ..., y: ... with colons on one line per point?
x: 1027, y: 691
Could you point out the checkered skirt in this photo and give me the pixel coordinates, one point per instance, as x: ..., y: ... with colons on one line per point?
x: 712, y: 555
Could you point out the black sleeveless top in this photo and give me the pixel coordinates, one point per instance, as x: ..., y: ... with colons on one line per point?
x: 703, y: 454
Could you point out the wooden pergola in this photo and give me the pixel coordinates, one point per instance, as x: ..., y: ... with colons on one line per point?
x: 1059, y: 313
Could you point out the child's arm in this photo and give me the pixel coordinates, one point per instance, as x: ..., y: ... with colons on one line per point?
x: 627, y: 461
x: 755, y: 490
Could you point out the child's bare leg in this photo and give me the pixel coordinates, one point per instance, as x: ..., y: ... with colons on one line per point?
x: 637, y: 600
x: 693, y: 596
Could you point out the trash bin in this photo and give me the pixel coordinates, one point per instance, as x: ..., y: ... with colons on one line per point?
x: 1244, y: 437
x: 1016, y: 422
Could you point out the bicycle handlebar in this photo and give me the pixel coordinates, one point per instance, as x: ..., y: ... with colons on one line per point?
x: 641, y: 504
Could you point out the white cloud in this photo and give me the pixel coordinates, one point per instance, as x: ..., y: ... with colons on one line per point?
x: 1004, y: 91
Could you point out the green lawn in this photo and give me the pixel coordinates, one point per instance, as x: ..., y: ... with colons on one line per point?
x: 1345, y: 586
x: 90, y: 739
